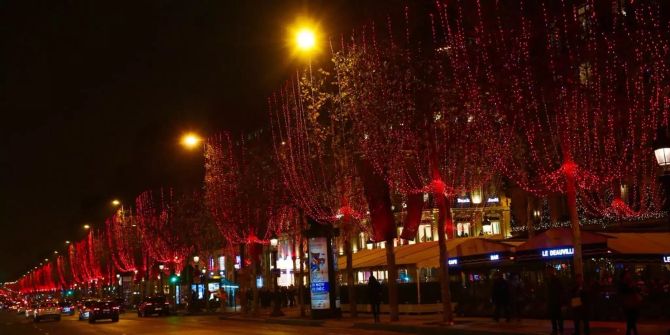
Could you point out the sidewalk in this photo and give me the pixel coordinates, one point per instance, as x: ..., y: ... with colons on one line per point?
x: 431, y: 324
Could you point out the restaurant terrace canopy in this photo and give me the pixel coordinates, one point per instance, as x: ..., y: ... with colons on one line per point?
x: 426, y: 254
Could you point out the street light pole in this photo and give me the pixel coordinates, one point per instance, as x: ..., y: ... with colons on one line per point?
x: 662, y: 154
x: 162, y: 287
x: 276, y: 308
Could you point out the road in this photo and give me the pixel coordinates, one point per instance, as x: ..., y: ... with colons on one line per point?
x: 12, y: 324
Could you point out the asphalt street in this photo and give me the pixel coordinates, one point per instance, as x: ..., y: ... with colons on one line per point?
x: 130, y: 324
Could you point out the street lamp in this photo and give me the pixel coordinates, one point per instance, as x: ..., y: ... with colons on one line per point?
x: 67, y: 242
x: 196, y: 259
x: 161, y: 267
x: 662, y: 150
x: 190, y: 140
x: 116, y: 202
x: 662, y: 153
x: 276, y: 307
x: 305, y: 39
x: 87, y: 226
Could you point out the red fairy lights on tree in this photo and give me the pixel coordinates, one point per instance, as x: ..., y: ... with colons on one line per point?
x: 241, y: 192
x: 565, y: 81
x: 123, y: 241
x: 166, y: 233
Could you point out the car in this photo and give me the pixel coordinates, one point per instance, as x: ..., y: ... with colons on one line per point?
x: 121, y: 303
x: 30, y: 310
x: 85, y: 309
x: 67, y: 307
x: 101, y: 310
x: 47, y: 310
x: 153, y: 305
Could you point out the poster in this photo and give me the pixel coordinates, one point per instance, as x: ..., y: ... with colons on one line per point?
x: 318, y: 273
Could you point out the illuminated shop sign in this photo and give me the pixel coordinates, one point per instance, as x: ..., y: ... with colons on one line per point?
x: 494, y: 257
x: 666, y: 259
x: 453, y: 261
x: 493, y: 200
x: 462, y: 200
x: 558, y: 252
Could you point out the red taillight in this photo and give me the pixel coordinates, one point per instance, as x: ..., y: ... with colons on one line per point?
x: 148, y: 304
x: 116, y: 307
x: 96, y: 309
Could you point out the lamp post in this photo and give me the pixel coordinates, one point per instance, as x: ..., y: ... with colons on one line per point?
x: 276, y: 308
x: 369, y: 244
x: 662, y: 153
x: 160, y: 268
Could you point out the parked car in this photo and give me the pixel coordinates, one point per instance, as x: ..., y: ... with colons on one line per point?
x: 103, y: 310
x: 153, y: 305
x: 67, y: 307
x: 47, y: 310
x: 30, y: 310
x: 85, y: 309
x: 121, y: 303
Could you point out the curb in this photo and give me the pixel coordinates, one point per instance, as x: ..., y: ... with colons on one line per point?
x: 283, y: 321
x: 427, y: 330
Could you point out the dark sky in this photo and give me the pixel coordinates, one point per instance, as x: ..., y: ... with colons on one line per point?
x: 93, y: 95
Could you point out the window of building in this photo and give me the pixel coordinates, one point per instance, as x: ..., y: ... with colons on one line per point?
x: 491, y: 227
x: 425, y: 233
x: 463, y: 229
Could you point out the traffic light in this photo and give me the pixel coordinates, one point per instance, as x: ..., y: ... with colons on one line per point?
x: 174, y: 279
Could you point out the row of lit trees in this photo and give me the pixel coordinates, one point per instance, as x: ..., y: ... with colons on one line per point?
x: 555, y: 98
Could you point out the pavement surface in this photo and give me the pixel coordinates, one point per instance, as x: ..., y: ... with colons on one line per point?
x: 291, y: 323
x: 130, y: 324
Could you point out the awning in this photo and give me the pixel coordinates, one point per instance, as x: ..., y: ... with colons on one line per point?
x: 426, y: 254
x: 560, y: 237
x: 639, y: 243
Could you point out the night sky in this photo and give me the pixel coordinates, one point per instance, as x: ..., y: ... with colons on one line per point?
x: 94, y: 95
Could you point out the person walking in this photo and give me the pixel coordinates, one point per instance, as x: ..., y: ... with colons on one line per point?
x: 580, y: 303
x: 500, y: 297
x: 375, y: 295
x: 630, y: 300
x: 554, y: 301
x: 516, y: 296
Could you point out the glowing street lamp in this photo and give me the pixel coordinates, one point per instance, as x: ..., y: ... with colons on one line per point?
x: 87, y: 226
x: 305, y: 39
x: 190, y: 140
x: 196, y: 259
x: 67, y: 242
x: 116, y: 202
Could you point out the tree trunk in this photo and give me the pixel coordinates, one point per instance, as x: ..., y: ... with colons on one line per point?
x: 301, y: 261
x: 530, y: 217
x: 255, y: 307
x: 351, y: 290
x: 444, y: 216
x: 392, y: 280
x: 571, y: 191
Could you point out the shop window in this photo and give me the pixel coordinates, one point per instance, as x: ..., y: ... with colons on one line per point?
x: 425, y: 233
x: 463, y: 229
x: 491, y: 227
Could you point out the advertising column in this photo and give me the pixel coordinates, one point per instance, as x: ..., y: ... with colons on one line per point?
x: 325, y: 301
x: 318, y: 273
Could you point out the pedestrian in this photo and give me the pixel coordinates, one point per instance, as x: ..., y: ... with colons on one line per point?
x: 516, y: 296
x: 630, y: 300
x: 580, y: 304
x: 500, y: 297
x: 555, y: 301
x: 375, y: 295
